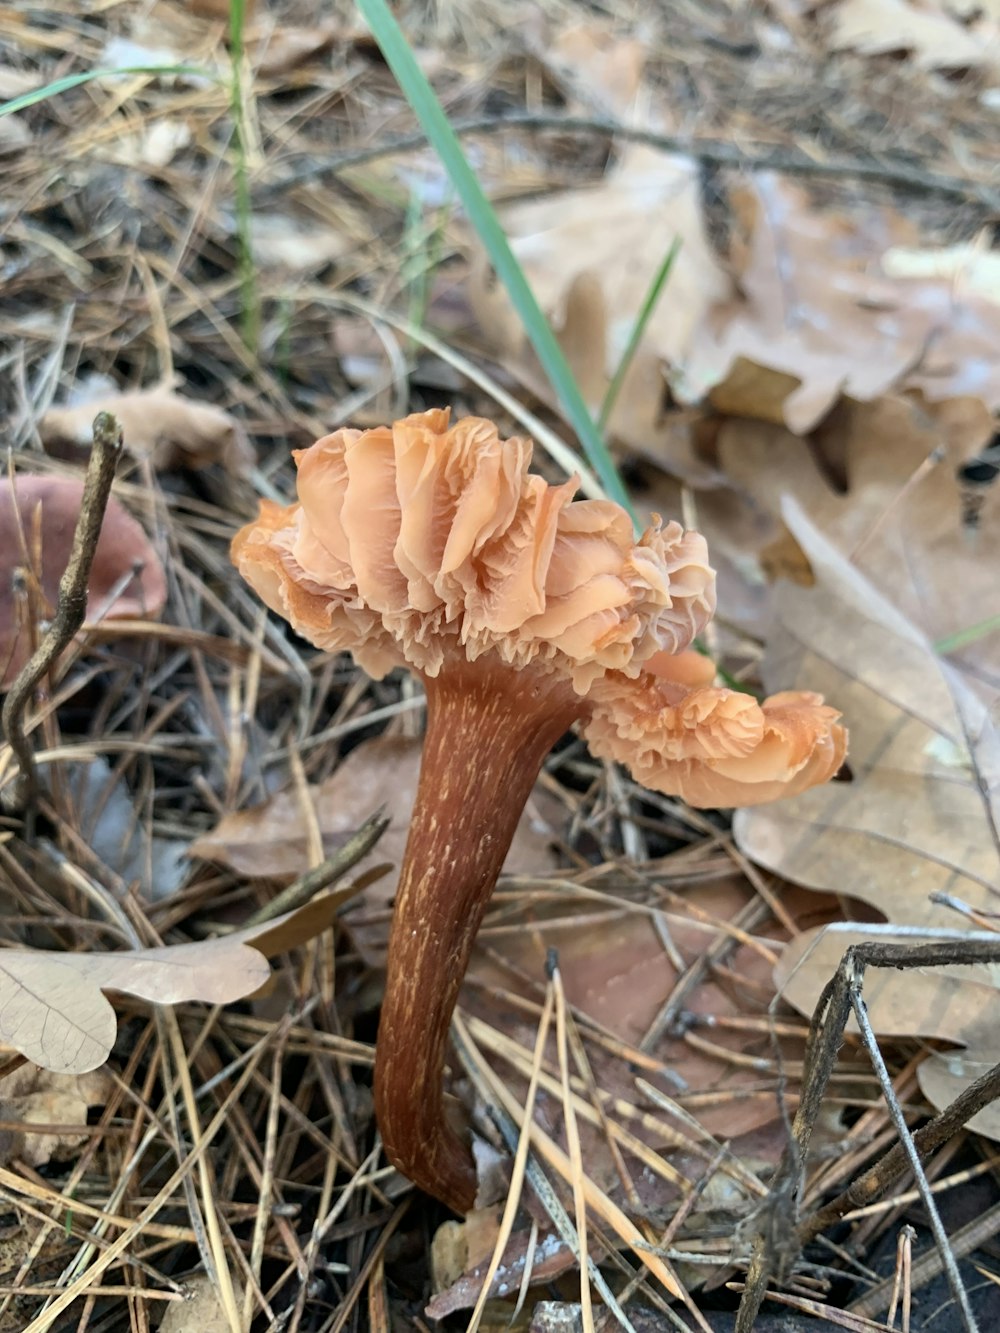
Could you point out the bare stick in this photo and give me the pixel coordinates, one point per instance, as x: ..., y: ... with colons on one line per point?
x: 903, y: 175
x: 778, y: 1241
x: 323, y: 876
x: 72, y: 607
x: 872, y: 1185
x: 923, y: 1186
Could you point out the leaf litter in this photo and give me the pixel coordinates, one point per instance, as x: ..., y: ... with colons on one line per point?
x: 821, y: 341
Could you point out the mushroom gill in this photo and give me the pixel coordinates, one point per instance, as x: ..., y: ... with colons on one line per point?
x: 524, y: 611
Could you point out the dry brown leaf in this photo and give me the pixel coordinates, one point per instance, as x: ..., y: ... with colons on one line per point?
x: 934, y: 39
x: 159, y: 424
x: 54, y: 1011
x: 597, y: 68
x: 283, y: 46
x: 590, y: 256
x: 38, y: 517
x: 922, y: 813
x: 618, y: 972
x: 36, y: 1096
x: 900, y: 516
x: 820, y: 316
x: 461, y: 1254
x: 270, y: 840
x: 812, y: 313
x: 949, y: 1005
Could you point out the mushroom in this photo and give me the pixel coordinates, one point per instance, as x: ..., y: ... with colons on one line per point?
x: 126, y: 578
x: 524, y: 612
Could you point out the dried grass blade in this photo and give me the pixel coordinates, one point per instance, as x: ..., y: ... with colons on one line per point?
x: 520, y: 1162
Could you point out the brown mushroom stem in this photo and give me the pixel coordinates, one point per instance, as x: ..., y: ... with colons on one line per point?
x: 488, y: 732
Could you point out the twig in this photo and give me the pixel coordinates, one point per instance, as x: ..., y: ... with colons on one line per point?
x: 872, y: 1185
x: 929, y: 1264
x: 712, y: 152
x: 323, y: 876
x: 72, y: 607
x: 895, y: 1111
x: 776, y: 1245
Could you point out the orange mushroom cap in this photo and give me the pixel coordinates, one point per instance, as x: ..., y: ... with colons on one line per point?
x: 424, y: 543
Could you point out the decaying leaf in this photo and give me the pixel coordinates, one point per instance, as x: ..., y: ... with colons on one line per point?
x: 282, y: 46
x: 590, y: 256
x: 270, y: 840
x: 159, y: 424
x: 597, y: 68
x: 36, y: 1096
x: 955, y: 1005
x: 812, y: 319
x: 54, y: 1011
x: 820, y: 316
x: 899, y: 512
x: 932, y: 36
x: 922, y: 812
x: 126, y: 578
x: 462, y: 1251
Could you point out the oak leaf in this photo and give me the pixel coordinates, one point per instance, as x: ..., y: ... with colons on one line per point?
x: 159, y: 424
x: 53, y: 1007
x: 921, y: 815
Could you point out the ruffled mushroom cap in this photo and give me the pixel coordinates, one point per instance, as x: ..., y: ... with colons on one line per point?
x: 715, y: 747
x: 418, y: 543
x: 424, y: 543
x: 126, y: 577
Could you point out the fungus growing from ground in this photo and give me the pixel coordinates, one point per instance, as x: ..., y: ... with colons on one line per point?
x: 126, y: 578
x: 524, y: 612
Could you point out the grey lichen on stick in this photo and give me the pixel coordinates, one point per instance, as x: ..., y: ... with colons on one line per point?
x: 71, y: 608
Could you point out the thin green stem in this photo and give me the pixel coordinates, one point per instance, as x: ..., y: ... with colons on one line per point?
x: 429, y: 112
x: 58, y: 86
x: 638, y: 329
x: 963, y: 637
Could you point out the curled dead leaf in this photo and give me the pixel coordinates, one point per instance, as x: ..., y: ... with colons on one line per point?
x: 159, y: 424
x: 53, y: 1007
x: 591, y: 256
x: 126, y: 578
x: 36, y: 1096
x: 921, y: 815
x: 832, y: 305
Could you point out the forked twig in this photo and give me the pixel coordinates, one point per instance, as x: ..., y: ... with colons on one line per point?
x: 72, y: 607
x: 779, y: 1240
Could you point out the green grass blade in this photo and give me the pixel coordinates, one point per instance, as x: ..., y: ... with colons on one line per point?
x: 88, y: 76
x: 429, y: 112
x: 638, y: 329
x: 963, y: 637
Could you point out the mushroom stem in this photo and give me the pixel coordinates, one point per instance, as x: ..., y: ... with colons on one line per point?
x: 488, y: 732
